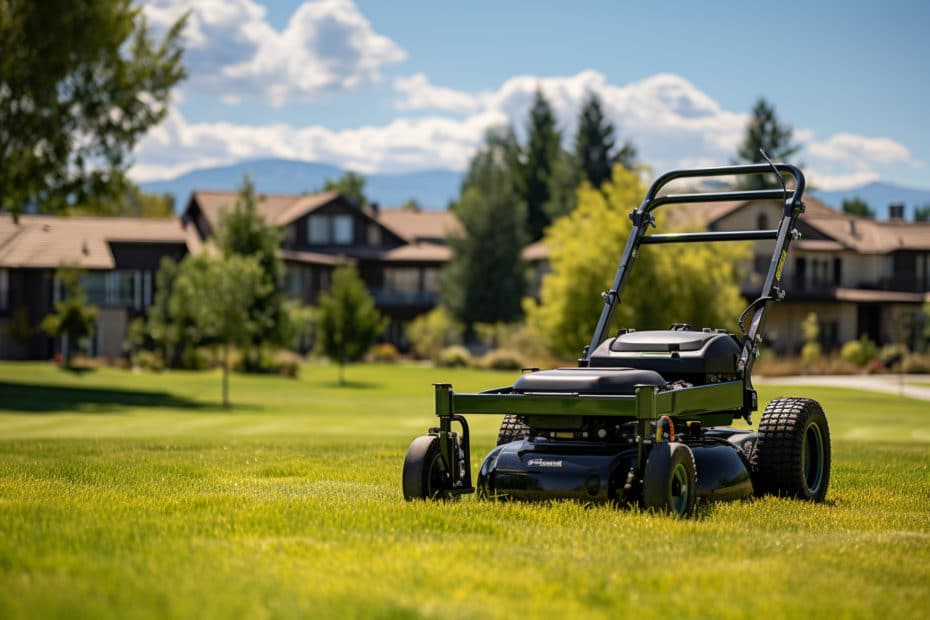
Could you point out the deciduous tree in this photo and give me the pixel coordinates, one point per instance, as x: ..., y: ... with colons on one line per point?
x: 694, y: 283
x: 349, y: 324
x: 351, y: 185
x: 80, y: 84
x: 857, y: 206
x: 73, y: 318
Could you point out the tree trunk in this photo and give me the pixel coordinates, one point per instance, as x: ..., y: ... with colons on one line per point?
x: 226, y: 375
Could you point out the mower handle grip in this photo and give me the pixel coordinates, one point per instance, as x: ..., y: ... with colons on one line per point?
x: 653, y: 201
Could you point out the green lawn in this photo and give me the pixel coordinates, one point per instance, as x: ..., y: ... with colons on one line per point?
x: 133, y: 495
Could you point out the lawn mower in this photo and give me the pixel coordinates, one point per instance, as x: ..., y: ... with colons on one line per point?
x: 644, y: 417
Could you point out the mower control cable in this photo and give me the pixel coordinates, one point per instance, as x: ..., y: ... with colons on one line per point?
x: 750, y: 307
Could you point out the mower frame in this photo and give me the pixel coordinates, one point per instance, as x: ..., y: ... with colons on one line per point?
x: 712, y: 405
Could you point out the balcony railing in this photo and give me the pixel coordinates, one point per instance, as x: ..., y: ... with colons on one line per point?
x: 390, y: 297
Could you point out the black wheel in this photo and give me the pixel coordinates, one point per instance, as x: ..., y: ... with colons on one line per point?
x: 424, y: 474
x: 513, y: 428
x: 670, y: 480
x: 792, y: 454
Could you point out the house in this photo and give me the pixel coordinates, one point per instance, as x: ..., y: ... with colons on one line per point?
x: 119, y: 255
x: 398, y: 252
x: 858, y: 275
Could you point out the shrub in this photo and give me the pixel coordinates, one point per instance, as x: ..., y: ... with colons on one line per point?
x: 270, y: 362
x: 430, y: 333
x: 892, y: 354
x: 810, y: 354
x: 384, y: 352
x: 916, y: 363
x: 148, y: 360
x: 503, y: 359
x: 455, y: 356
x: 859, y: 352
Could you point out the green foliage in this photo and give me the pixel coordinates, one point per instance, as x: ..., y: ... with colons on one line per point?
x: 433, y: 331
x: 694, y: 283
x: 350, y: 185
x: 72, y: 317
x: 411, y: 205
x: 455, y: 356
x: 214, y: 294
x: 811, y: 351
x: 765, y: 131
x: 922, y: 214
x: 857, y: 206
x: 595, y: 143
x: 133, y: 202
x: 859, y: 352
x: 503, y: 359
x: 349, y: 324
x: 544, y: 145
x: 385, y: 352
x: 244, y: 233
x: 82, y: 82
x: 304, y: 323
x: 484, y: 280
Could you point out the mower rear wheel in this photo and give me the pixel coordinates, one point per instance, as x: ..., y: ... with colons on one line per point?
x: 424, y: 474
x: 792, y: 453
x: 513, y: 428
x: 670, y: 479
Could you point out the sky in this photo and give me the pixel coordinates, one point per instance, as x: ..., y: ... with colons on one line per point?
x: 399, y: 86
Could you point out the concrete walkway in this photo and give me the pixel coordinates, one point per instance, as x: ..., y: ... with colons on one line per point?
x: 889, y: 384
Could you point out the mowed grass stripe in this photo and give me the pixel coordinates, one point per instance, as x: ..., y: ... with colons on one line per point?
x: 289, y: 506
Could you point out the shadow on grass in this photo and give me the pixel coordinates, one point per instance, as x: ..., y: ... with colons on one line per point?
x: 34, y: 398
x: 353, y: 385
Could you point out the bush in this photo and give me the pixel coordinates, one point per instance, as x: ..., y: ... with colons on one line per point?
x: 455, y: 356
x: 916, y: 363
x: 430, y: 333
x: 148, y: 360
x: 810, y: 354
x: 384, y: 352
x: 503, y: 359
x: 270, y: 362
x: 892, y: 354
x: 859, y: 352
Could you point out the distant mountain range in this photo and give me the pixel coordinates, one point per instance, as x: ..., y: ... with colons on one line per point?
x: 878, y: 196
x: 432, y: 189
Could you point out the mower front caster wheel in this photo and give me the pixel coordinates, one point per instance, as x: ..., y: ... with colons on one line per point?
x: 670, y: 480
x: 424, y: 474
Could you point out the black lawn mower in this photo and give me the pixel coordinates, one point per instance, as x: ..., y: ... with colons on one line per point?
x: 643, y: 419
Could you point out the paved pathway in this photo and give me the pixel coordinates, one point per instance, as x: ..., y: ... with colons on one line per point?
x: 890, y: 384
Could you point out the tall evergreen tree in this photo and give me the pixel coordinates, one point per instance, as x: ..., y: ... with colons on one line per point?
x: 542, y: 151
x: 595, y: 144
x: 484, y: 281
x: 765, y: 131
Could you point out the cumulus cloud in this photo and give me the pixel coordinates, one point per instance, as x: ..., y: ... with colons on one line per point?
x: 233, y: 52
x: 671, y: 121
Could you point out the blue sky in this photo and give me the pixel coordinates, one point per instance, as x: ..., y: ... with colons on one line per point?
x: 402, y: 85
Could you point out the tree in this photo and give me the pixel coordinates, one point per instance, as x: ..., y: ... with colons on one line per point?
x: 694, y: 283
x: 216, y: 294
x: 243, y: 232
x: 595, y: 142
x: 922, y: 214
x: 80, y: 84
x: 483, y: 283
x: 351, y: 185
x: 73, y: 318
x: 132, y: 203
x: 765, y: 131
x: 542, y: 150
x: 810, y: 352
x: 857, y: 206
x: 349, y: 323
x: 411, y: 205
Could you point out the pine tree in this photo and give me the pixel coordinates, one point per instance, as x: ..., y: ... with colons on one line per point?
x: 595, y: 143
x: 540, y: 156
x: 349, y: 324
x: 765, y: 131
x: 484, y: 281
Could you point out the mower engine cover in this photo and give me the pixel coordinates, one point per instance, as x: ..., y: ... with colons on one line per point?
x: 699, y: 357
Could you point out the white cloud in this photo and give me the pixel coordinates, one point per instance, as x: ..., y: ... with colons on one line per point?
x: 234, y: 53
x: 671, y: 122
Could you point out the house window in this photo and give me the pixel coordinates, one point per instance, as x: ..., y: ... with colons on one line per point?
x: 324, y: 280
x: 374, y: 234
x: 318, y: 229
x: 431, y: 280
x: 342, y: 229
x: 4, y: 290
x: 402, y: 279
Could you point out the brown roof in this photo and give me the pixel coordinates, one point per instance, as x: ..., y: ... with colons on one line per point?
x: 276, y: 209
x: 420, y: 225
x: 49, y: 241
x: 417, y: 252
x: 314, y: 258
x: 867, y: 236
